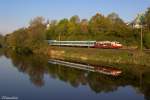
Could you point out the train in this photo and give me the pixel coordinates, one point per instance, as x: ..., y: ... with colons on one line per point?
x: 93, y: 68
x: 91, y: 44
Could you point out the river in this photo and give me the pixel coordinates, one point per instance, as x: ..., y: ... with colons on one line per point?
x: 34, y: 78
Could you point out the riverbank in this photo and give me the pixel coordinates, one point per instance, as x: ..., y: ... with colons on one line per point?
x: 98, y: 56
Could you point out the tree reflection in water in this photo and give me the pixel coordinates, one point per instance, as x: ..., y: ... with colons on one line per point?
x: 37, y: 66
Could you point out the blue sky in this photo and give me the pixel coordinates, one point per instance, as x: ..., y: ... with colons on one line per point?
x: 17, y: 13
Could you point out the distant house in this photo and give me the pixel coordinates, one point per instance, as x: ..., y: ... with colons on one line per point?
x: 47, y: 26
x: 137, y: 21
x: 50, y: 23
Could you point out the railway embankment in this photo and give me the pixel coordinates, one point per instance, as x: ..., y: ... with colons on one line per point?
x: 99, y: 56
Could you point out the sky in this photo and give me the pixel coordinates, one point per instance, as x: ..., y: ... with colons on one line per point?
x: 15, y: 14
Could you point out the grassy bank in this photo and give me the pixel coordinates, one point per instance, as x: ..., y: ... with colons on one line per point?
x: 98, y: 56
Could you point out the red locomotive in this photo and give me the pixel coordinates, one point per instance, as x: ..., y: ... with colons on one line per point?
x: 107, y: 44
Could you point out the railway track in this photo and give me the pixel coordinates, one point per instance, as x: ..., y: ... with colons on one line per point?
x: 119, y: 49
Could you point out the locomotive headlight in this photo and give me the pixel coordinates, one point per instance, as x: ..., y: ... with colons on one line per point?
x: 119, y: 45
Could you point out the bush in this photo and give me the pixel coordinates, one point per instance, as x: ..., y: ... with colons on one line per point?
x: 146, y: 40
x: 23, y: 50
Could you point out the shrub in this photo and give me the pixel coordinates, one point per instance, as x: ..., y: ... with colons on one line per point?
x: 146, y: 40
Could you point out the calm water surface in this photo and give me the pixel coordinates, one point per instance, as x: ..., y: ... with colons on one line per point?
x: 33, y: 78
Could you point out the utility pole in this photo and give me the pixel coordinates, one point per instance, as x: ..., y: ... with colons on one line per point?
x: 141, y: 21
x: 141, y: 39
x: 59, y: 40
x: 59, y: 36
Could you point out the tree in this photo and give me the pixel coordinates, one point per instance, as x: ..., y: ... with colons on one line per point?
x: 75, y: 19
x: 62, y: 28
x: 36, y: 30
x: 147, y: 18
x: 118, y: 26
x: 99, y: 24
x: 84, y: 26
x: 115, y: 18
x: 18, y: 41
x: 29, y: 39
x: 146, y: 24
x: 73, y: 26
x: 1, y: 40
x: 37, y: 21
x: 36, y: 33
x: 51, y: 30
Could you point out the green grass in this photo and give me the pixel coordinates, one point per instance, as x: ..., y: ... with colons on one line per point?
x: 97, y: 56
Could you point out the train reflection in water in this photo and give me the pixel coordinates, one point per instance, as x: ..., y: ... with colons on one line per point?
x: 99, y: 69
